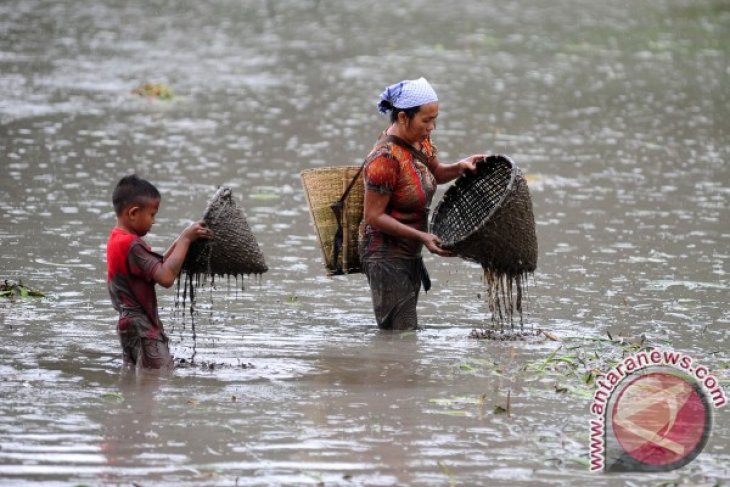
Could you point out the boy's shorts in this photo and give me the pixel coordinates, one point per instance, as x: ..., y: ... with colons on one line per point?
x: 140, y: 351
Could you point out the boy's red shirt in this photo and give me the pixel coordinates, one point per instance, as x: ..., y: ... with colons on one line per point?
x: 131, y: 266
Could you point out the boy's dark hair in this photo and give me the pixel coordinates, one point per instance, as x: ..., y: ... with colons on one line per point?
x: 133, y: 190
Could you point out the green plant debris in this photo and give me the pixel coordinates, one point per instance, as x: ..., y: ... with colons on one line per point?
x: 453, y: 412
x: 265, y: 193
x: 456, y: 400
x: 467, y: 367
x: 505, y: 409
x: 161, y: 91
x: 448, y: 472
x: 581, y: 392
x: 11, y: 290
x: 112, y: 396
x: 465, y: 406
x: 583, y: 461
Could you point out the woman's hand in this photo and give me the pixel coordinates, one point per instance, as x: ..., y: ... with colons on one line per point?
x: 433, y: 244
x: 470, y: 163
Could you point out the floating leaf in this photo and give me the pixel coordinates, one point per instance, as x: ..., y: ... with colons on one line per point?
x: 11, y: 289
x: 264, y: 196
x: 466, y: 368
x: 154, y: 90
x: 112, y: 396
x: 455, y: 412
x: 499, y: 410
x: 581, y: 392
x: 580, y: 461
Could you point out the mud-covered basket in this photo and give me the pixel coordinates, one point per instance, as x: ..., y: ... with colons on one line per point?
x: 323, y: 188
x: 487, y: 218
x: 233, y: 250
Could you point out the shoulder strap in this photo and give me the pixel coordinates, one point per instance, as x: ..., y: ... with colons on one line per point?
x: 338, y: 205
x: 414, y: 152
x: 396, y: 140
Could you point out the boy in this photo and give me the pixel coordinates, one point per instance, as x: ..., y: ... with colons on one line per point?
x: 133, y: 270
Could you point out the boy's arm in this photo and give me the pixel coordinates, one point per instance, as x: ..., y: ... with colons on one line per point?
x: 169, y: 250
x: 175, y: 256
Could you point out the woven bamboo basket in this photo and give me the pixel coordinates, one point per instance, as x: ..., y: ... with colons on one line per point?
x: 323, y: 187
x: 487, y: 218
x: 233, y: 250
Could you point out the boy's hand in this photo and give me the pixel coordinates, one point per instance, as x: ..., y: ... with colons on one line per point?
x: 196, y: 231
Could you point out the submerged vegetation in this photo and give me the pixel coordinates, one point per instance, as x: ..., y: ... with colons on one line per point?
x: 161, y: 91
x: 10, y: 290
x: 571, y: 368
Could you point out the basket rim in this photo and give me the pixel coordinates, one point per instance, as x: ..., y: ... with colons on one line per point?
x: 513, y: 176
x: 327, y: 168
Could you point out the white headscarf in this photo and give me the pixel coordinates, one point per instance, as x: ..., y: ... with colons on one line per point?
x: 407, y: 94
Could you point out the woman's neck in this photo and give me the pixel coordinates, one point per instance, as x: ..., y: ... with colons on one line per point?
x: 395, y: 130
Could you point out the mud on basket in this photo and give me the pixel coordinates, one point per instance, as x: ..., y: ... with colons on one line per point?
x: 327, y: 187
x: 487, y: 218
x: 233, y: 250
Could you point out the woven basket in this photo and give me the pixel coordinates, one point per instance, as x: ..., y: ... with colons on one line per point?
x: 233, y: 250
x: 487, y: 218
x: 323, y: 187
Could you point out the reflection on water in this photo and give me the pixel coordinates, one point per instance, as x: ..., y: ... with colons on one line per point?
x: 618, y: 113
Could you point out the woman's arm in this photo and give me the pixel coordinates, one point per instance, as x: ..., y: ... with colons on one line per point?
x: 448, y: 172
x: 375, y: 214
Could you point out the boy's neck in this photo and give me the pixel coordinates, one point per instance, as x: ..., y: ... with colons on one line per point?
x: 121, y: 225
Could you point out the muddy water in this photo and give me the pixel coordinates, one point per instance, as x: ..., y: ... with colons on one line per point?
x: 617, y: 112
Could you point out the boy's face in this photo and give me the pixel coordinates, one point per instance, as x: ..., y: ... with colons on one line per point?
x: 142, y: 217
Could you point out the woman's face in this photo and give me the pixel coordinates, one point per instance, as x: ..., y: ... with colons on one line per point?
x: 423, y: 122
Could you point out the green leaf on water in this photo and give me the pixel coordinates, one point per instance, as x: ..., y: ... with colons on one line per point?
x: 581, y: 392
x: 264, y: 196
x: 499, y: 410
x: 580, y: 461
x: 112, y: 396
x: 454, y: 412
x: 467, y: 368
x: 265, y: 193
x: 11, y: 289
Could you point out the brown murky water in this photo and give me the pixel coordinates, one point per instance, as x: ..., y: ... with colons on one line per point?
x: 616, y: 111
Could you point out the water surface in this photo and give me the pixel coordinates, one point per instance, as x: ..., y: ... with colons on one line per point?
x: 617, y: 112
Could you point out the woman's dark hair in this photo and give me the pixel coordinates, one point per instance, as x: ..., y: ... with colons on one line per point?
x: 410, y: 112
x: 133, y: 190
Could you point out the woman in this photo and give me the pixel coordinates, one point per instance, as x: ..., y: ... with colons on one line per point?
x: 401, y: 174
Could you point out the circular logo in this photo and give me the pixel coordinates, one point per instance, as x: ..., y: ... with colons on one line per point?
x: 661, y: 420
